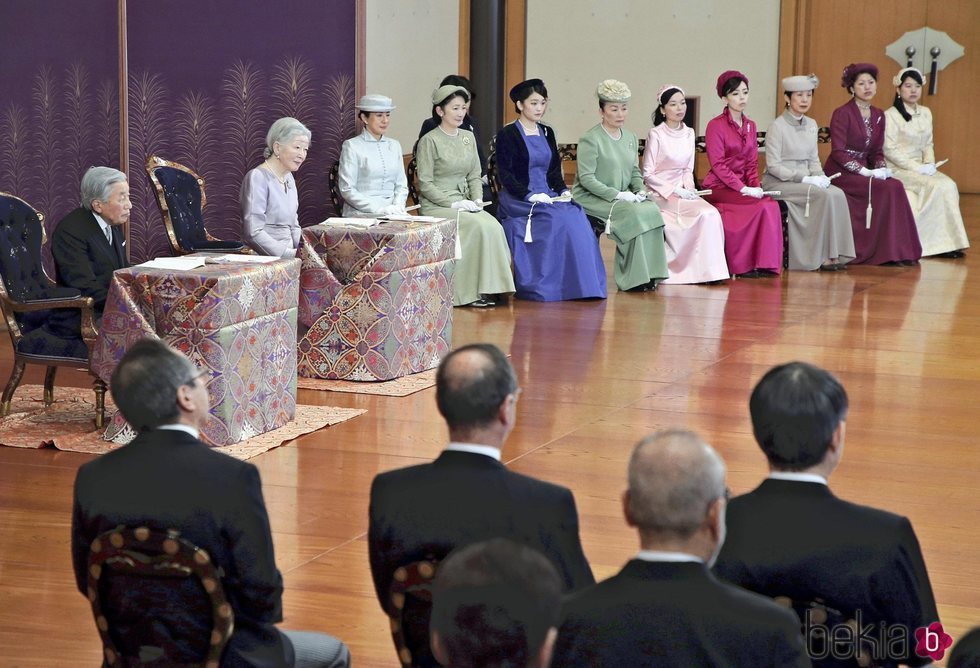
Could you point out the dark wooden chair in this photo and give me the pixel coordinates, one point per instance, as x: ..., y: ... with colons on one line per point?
x: 333, y: 179
x: 817, y: 612
x: 164, y: 558
x: 37, y: 311
x: 410, y: 633
x: 412, y: 174
x: 181, y: 200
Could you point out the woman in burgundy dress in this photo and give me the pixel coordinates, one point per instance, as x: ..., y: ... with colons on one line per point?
x: 882, y: 220
x: 752, y: 222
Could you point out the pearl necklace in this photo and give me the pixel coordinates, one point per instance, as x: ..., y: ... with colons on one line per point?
x: 282, y: 181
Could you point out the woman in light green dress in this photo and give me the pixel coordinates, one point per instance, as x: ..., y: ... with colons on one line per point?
x: 448, y: 170
x: 609, y: 186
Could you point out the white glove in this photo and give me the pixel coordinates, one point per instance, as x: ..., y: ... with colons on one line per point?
x: 625, y: 196
x: 684, y: 193
x: 819, y: 181
x: 881, y: 173
x: 392, y: 210
x: 640, y: 197
x: 566, y: 193
x: 466, y: 205
x: 540, y: 198
x: 865, y: 172
x: 752, y: 192
x: 927, y: 170
x: 485, y: 180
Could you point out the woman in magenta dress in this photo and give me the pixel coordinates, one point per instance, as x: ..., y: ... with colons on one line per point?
x: 693, y: 233
x: 883, y: 224
x: 753, y: 224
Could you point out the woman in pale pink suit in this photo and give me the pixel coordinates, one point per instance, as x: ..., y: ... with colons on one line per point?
x: 693, y: 232
x: 753, y: 224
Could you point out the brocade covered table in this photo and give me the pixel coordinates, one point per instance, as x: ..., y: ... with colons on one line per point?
x: 236, y: 322
x: 375, y: 303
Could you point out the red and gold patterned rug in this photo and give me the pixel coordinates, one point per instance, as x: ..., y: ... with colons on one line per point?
x: 68, y: 424
x: 399, y: 387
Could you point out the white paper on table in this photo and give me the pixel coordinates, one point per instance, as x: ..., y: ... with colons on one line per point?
x: 351, y: 222
x: 239, y: 257
x: 182, y: 263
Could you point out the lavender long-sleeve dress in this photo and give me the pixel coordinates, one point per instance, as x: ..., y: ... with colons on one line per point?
x: 857, y: 143
x: 270, y: 222
x: 753, y: 227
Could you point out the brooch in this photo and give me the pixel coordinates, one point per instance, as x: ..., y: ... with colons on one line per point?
x: 466, y: 141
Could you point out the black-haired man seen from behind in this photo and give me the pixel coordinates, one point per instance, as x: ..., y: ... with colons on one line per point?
x: 792, y: 537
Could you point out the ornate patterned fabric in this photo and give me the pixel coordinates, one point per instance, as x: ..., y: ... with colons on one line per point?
x: 235, y: 321
x: 377, y: 302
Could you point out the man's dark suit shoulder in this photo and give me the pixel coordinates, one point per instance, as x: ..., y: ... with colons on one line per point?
x: 675, y: 614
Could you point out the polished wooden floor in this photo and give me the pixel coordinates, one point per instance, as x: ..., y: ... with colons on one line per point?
x: 596, y: 377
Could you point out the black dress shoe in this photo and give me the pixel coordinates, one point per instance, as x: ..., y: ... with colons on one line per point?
x: 954, y: 254
x: 909, y: 263
x: 482, y: 302
x: 755, y: 273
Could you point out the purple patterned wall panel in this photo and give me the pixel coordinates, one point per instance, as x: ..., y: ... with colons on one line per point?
x: 59, y: 113
x: 206, y: 80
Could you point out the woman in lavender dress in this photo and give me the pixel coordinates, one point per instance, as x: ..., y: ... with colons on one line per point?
x: 270, y: 205
x: 556, y: 255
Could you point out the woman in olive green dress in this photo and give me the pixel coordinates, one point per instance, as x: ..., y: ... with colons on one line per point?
x: 448, y: 170
x: 609, y: 186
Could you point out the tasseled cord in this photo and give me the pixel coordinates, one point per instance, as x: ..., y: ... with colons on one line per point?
x: 459, y: 245
x: 806, y: 209
x: 527, y: 230
x: 867, y: 213
x: 609, y: 217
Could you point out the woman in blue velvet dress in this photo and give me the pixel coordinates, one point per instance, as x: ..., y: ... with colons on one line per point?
x: 556, y: 254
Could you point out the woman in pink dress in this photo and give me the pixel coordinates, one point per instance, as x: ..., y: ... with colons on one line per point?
x: 694, y: 236
x: 753, y: 224
x: 881, y: 218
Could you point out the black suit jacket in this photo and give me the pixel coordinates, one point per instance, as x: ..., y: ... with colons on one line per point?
x: 169, y: 479
x: 797, y: 539
x: 513, y: 161
x: 83, y: 257
x: 463, y: 498
x: 669, y: 614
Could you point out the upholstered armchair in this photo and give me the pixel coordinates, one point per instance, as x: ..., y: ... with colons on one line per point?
x: 42, y: 318
x: 181, y: 200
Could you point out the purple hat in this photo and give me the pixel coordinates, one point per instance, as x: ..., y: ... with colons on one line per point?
x: 725, y: 76
x: 852, y: 71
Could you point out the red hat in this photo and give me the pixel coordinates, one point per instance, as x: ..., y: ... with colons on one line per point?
x: 725, y: 76
x: 852, y: 71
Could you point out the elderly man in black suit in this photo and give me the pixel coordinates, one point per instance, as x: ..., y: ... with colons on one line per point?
x: 664, y: 608
x: 90, y: 243
x: 167, y: 478
x: 791, y: 537
x: 467, y: 495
